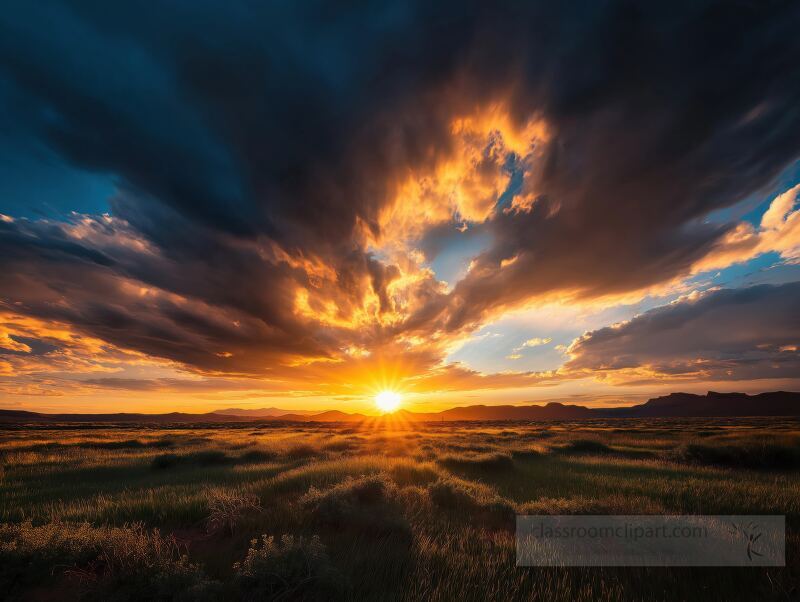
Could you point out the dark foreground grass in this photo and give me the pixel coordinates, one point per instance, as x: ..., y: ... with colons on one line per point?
x: 322, y: 512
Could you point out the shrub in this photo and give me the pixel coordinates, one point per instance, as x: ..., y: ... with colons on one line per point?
x: 226, y: 508
x: 293, y: 568
x: 137, y: 564
x: 130, y: 562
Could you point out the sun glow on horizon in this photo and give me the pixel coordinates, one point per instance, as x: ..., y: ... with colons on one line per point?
x: 388, y: 401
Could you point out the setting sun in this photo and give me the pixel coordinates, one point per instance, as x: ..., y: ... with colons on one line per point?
x: 387, y: 401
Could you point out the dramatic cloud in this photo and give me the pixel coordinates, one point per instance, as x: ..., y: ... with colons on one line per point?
x: 779, y: 232
x: 287, y: 173
x: 750, y: 333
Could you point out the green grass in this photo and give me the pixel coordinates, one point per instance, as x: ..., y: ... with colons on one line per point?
x: 125, y: 513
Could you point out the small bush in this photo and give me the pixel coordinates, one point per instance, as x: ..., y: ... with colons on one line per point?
x: 226, y: 508
x: 127, y: 563
x: 293, y: 568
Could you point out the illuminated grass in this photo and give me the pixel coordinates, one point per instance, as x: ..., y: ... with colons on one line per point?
x: 424, y: 514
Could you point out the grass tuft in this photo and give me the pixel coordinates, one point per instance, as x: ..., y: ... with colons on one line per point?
x: 210, y: 457
x: 496, y: 462
x: 479, y: 502
x: 366, y: 505
x: 257, y: 456
x: 756, y: 455
x: 414, y: 473
x: 585, y: 446
x: 292, y: 568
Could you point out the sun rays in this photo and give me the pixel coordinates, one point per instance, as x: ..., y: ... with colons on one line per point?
x: 388, y: 401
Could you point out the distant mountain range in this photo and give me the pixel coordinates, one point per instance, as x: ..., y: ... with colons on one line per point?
x: 674, y: 405
x: 263, y: 412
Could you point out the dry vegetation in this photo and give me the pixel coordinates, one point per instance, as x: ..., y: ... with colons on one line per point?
x: 322, y: 512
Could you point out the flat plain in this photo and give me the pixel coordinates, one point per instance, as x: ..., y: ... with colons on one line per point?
x: 380, y: 511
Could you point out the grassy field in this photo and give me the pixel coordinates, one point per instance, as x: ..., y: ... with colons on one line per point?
x: 326, y: 512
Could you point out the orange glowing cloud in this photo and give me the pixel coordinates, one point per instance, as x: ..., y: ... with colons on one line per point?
x: 779, y: 232
x: 464, y: 184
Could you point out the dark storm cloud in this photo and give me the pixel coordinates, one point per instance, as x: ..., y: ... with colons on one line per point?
x: 660, y: 115
x: 229, y: 129
x: 726, y: 334
x: 281, y: 120
x: 212, y: 311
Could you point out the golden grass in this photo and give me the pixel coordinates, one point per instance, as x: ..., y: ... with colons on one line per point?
x: 374, y: 514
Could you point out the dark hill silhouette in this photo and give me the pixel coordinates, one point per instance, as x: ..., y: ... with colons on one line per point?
x: 674, y: 405
x: 262, y: 412
x: 777, y: 403
x: 7, y: 416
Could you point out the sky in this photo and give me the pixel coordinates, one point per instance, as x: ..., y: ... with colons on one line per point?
x: 302, y: 204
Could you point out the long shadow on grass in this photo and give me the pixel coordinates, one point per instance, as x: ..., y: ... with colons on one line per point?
x: 568, y: 476
x: 74, y: 485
